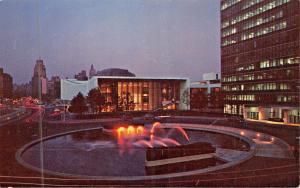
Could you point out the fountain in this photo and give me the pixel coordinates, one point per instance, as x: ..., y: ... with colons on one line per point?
x: 141, y: 137
x: 163, y: 152
x: 130, y: 151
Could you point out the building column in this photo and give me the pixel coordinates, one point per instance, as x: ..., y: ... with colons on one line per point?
x: 267, y: 113
x: 285, y: 116
x: 245, y: 110
x: 261, y: 113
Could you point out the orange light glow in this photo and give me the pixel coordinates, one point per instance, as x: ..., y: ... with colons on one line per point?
x: 242, y: 133
x: 131, y: 131
x: 258, y: 135
x: 120, y: 131
x: 128, y: 137
x: 140, y: 130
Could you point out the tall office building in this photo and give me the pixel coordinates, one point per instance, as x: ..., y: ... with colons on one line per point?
x: 6, y: 85
x: 22, y: 90
x: 54, y: 87
x: 39, y: 77
x: 260, y: 58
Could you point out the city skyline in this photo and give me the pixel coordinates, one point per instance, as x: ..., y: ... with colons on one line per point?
x: 150, y: 93
x: 179, y: 38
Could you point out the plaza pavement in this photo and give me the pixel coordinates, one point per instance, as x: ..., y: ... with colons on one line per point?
x: 258, y: 171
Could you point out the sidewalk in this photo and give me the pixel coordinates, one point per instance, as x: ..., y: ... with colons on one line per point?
x: 266, y: 145
x: 272, y: 122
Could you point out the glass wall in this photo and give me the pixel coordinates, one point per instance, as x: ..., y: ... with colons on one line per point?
x: 139, y: 95
x: 108, y: 90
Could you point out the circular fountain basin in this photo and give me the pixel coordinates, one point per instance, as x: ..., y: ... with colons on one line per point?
x: 94, y: 153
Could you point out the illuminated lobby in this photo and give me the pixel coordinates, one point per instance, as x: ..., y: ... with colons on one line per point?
x: 132, y: 93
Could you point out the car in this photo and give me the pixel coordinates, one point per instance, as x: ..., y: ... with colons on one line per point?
x: 56, y: 112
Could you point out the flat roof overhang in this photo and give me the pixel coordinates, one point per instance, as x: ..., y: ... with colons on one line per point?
x: 138, y: 78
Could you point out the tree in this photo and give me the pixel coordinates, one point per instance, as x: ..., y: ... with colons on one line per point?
x: 185, y: 98
x: 78, y: 104
x: 96, y: 100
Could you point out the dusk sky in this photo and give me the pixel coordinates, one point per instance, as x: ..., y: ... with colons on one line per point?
x: 149, y: 37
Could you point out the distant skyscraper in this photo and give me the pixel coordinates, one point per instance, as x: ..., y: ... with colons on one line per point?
x: 54, y: 87
x: 6, y: 85
x: 22, y: 90
x: 39, y: 77
x: 260, y: 58
x: 92, y: 72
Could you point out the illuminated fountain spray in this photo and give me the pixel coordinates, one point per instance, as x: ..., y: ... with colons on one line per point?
x: 141, y: 137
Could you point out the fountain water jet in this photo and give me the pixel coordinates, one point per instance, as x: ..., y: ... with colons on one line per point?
x: 158, y: 142
x: 143, y: 142
x: 139, y: 136
x: 183, y: 132
x: 170, y: 141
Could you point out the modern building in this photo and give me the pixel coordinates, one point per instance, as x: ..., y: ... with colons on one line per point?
x: 260, y: 58
x: 81, y: 76
x: 6, y: 85
x: 115, y: 72
x: 39, y: 79
x: 206, y: 95
x: 54, y: 87
x: 132, y: 93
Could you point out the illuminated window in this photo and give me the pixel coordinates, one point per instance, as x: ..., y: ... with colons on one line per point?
x: 229, y: 3
x: 254, y: 12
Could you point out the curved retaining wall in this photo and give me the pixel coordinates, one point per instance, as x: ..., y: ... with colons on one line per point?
x: 244, y: 158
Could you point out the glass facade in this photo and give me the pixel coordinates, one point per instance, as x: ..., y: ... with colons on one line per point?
x: 139, y: 94
x: 260, y: 57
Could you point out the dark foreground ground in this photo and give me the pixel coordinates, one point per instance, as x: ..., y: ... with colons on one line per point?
x: 258, y: 171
